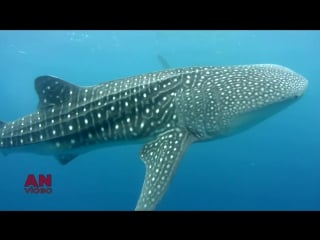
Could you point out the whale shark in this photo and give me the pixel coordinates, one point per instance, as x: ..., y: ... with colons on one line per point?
x: 167, y: 111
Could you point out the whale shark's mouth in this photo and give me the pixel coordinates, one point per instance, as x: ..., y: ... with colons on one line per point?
x: 248, y: 120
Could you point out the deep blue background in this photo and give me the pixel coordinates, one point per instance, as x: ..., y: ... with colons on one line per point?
x: 273, y: 166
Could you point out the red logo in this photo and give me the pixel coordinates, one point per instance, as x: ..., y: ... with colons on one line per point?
x: 40, y: 185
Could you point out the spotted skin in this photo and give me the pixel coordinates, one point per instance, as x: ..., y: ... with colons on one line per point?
x: 169, y: 110
x: 161, y: 157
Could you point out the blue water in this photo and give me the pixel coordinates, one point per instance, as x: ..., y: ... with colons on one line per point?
x: 272, y: 166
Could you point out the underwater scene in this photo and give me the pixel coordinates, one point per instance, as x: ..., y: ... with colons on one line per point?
x: 165, y: 120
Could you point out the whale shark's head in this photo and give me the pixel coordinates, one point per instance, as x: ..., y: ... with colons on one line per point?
x: 252, y: 93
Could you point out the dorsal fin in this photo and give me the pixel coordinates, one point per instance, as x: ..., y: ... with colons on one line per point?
x: 164, y: 63
x: 54, y: 91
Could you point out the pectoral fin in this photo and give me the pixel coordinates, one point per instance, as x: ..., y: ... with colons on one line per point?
x: 161, y: 158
